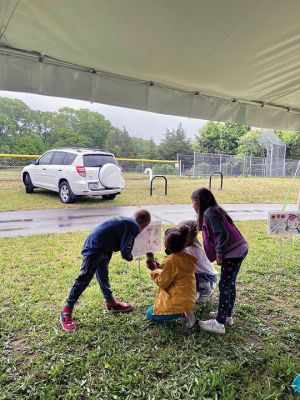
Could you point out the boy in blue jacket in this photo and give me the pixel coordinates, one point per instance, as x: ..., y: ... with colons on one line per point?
x: 116, y: 234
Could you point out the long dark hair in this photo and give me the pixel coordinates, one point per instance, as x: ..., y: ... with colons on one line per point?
x: 204, y: 199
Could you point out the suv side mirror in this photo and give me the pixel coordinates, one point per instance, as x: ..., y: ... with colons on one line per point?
x: 34, y: 162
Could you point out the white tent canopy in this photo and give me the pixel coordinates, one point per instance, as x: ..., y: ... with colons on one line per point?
x: 233, y: 60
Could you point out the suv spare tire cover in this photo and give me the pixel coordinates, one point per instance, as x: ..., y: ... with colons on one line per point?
x: 110, y: 176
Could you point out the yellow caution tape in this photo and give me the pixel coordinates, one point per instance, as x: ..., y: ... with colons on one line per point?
x: 118, y: 158
x: 19, y: 156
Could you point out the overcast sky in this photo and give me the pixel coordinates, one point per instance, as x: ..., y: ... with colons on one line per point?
x: 138, y: 123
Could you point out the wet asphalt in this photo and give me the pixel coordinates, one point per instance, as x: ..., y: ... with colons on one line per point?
x: 32, y: 222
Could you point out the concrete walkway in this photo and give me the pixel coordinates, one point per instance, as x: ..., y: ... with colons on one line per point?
x: 32, y: 222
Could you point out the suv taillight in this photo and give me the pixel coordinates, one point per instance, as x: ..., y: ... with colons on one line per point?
x: 81, y: 170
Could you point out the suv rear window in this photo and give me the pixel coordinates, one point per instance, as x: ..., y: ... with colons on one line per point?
x: 97, y: 160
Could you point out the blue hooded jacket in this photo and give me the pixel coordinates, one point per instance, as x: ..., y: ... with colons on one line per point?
x: 116, y: 234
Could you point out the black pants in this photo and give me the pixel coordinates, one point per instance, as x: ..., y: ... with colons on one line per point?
x: 229, y: 270
x: 95, y: 263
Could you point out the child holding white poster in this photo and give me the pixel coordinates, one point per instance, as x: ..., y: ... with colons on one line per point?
x: 175, y: 278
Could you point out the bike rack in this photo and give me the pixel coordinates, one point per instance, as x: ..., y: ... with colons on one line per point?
x: 216, y: 173
x: 166, y: 183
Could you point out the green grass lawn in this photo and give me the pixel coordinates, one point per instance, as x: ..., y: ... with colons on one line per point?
x: 126, y: 357
x: 235, y: 190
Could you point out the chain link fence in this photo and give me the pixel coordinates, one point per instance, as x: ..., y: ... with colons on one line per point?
x: 11, y: 165
x: 198, y: 164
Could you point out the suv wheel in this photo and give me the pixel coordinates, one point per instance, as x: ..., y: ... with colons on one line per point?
x: 28, y: 184
x: 109, y: 196
x: 65, y: 193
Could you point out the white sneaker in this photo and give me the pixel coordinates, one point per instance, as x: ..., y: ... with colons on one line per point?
x: 214, y: 314
x: 189, y: 319
x: 212, y: 325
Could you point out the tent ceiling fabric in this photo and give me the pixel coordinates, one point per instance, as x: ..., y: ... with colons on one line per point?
x: 210, y: 59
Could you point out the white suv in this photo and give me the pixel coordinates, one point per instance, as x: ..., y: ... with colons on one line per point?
x: 75, y: 172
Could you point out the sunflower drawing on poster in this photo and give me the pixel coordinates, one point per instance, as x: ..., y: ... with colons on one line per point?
x: 148, y: 240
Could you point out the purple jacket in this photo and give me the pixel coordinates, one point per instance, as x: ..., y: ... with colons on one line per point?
x: 219, y: 233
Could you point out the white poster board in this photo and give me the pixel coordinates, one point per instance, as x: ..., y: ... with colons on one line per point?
x: 284, y: 223
x: 148, y: 240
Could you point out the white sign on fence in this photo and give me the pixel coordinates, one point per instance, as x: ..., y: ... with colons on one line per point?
x: 148, y: 240
x: 284, y: 222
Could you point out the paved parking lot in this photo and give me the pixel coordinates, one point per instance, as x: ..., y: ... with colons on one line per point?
x: 25, y: 223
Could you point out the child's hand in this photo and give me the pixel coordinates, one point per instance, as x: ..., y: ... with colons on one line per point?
x: 219, y: 259
x: 152, y: 264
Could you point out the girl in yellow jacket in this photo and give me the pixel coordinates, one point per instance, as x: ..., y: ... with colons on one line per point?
x: 175, y: 278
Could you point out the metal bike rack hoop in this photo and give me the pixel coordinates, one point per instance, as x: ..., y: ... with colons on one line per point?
x: 216, y: 173
x: 166, y: 183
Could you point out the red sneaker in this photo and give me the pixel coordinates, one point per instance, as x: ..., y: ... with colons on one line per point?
x: 118, y: 306
x: 66, y: 322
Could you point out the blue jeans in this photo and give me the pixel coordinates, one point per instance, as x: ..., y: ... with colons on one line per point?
x: 94, y: 263
x: 160, y: 318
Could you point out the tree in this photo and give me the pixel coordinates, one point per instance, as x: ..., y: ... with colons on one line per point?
x: 248, y: 145
x: 83, y: 124
x: 119, y: 143
x: 28, y: 144
x: 292, y: 141
x: 64, y: 136
x: 143, y: 148
x: 14, y: 121
x: 42, y: 123
x: 174, y: 141
x: 18, y: 113
x: 7, y: 132
x: 208, y: 140
x: 219, y: 138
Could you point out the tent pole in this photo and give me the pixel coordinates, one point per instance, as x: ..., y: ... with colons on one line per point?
x: 290, y: 188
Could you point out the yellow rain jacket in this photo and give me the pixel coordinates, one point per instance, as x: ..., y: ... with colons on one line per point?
x: 177, y: 286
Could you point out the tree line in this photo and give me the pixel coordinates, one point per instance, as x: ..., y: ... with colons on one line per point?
x: 27, y: 131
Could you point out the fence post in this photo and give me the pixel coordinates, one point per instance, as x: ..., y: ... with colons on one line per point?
x: 194, y: 163
x: 271, y: 161
x: 220, y: 162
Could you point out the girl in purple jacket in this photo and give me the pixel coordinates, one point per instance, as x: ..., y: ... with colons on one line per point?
x: 224, y: 244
